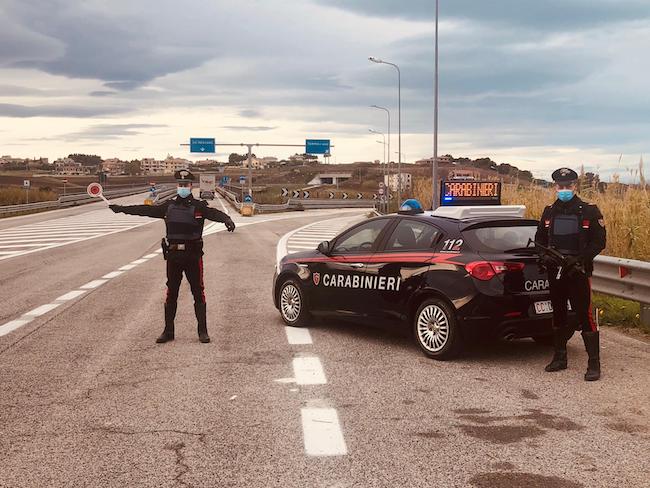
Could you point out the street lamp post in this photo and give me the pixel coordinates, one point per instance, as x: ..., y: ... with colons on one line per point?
x: 384, y: 143
x: 399, y: 123
x: 387, y: 166
x: 434, y: 169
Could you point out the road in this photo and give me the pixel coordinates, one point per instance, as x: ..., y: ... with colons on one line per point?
x: 88, y: 399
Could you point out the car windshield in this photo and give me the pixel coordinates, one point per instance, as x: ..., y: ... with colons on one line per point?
x: 501, y: 238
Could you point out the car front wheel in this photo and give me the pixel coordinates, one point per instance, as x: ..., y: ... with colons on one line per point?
x: 292, y: 304
x: 436, y: 330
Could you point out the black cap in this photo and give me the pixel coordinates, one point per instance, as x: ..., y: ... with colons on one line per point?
x: 564, y: 175
x: 183, y: 175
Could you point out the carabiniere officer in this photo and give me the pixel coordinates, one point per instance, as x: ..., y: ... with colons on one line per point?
x: 577, y: 230
x: 183, y: 247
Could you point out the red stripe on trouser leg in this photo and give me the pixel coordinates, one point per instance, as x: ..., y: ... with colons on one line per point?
x: 592, y: 322
x: 201, y: 279
x: 167, y: 296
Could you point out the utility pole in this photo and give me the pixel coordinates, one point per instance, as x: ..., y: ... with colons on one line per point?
x: 434, y: 169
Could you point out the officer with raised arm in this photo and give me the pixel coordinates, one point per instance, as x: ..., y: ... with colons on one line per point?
x: 183, y: 247
x: 577, y: 230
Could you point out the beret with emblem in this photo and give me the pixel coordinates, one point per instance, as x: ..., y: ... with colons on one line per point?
x: 564, y: 175
x: 183, y: 175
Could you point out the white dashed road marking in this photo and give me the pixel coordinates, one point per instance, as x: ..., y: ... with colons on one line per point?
x: 296, y: 335
x: 308, y: 371
x: 322, y: 432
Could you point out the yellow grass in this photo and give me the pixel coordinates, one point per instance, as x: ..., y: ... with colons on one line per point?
x: 626, y: 212
x: 16, y: 196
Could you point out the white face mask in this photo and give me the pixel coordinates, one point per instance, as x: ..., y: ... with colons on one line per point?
x: 183, y: 191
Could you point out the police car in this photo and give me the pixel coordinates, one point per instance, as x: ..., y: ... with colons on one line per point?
x: 458, y: 272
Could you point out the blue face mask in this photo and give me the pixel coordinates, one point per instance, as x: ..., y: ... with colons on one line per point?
x: 565, y: 195
x: 183, y: 191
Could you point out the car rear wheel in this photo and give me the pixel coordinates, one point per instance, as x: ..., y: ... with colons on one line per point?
x: 292, y: 305
x: 436, y: 330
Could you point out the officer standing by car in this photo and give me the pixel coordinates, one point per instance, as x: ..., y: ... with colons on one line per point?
x: 577, y: 230
x: 183, y: 247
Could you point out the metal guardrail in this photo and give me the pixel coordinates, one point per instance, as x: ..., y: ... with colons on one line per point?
x: 624, y: 278
x: 75, y: 199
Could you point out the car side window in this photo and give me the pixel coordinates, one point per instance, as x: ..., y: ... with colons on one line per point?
x: 412, y: 235
x: 361, y: 238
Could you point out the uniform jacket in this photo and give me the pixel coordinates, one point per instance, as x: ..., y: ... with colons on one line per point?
x: 201, y: 212
x: 592, y: 236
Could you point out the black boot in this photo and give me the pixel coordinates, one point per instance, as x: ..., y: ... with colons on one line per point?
x: 199, y: 310
x: 592, y: 345
x: 168, y: 333
x: 559, y: 361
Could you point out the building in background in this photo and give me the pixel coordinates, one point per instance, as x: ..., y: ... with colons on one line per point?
x: 392, y: 181
x: 173, y: 164
x: 151, y: 166
x: 330, y: 178
x: 68, y: 166
x: 114, y: 166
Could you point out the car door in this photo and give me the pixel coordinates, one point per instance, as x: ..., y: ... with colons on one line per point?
x: 400, y: 264
x: 339, y: 281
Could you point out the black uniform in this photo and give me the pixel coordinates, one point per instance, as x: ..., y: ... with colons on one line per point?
x: 577, y: 230
x: 184, y: 219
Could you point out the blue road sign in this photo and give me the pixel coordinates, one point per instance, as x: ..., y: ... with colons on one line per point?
x: 248, y: 199
x: 242, y: 180
x: 317, y: 146
x: 225, y: 180
x: 201, y: 145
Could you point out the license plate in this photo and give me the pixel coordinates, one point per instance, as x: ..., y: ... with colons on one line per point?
x: 543, y: 307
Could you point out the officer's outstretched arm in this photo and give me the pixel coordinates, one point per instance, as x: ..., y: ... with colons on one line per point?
x: 155, y: 211
x: 219, y: 216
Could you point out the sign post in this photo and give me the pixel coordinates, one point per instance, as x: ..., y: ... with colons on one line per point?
x: 26, y: 185
x: 202, y: 145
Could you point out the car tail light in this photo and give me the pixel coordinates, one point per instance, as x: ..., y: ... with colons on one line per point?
x: 486, y: 270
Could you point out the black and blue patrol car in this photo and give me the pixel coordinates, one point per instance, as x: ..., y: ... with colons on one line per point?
x: 450, y: 274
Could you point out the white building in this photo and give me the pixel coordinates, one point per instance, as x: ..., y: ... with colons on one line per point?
x: 330, y: 178
x: 68, y: 166
x: 173, y: 164
x: 151, y: 166
x: 392, y: 181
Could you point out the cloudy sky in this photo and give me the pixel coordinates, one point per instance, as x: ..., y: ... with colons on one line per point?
x: 533, y: 83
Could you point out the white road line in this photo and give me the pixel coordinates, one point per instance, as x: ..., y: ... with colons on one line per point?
x: 152, y: 255
x: 296, y: 335
x: 112, y: 274
x: 13, y: 325
x: 127, y: 267
x: 308, y: 371
x: 43, y: 309
x: 322, y: 432
x: 70, y: 295
x: 93, y: 284
x: 139, y: 261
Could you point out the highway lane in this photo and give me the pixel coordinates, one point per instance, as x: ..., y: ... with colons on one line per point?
x: 87, y: 398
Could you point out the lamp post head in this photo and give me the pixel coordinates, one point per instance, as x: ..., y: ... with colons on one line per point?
x: 374, y: 60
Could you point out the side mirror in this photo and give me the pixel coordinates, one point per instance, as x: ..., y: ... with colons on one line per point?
x: 324, y: 248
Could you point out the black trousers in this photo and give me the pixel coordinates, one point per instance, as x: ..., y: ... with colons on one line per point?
x: 178, y: 262
x: 577, y: 290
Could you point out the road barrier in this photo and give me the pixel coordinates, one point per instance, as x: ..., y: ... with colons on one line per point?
x: 624, y: 278
x: 81, y: 198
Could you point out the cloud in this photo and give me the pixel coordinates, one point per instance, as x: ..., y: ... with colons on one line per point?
x: 548, y: 15
x: 249, y: 113
x: 109, y: 131
x: 254, y: 128
x: 80, y: 111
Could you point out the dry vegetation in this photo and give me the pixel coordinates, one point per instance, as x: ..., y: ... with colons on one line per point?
x: 16, y: 196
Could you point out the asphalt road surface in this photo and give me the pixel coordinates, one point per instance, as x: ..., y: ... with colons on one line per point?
x: 88, y: 399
